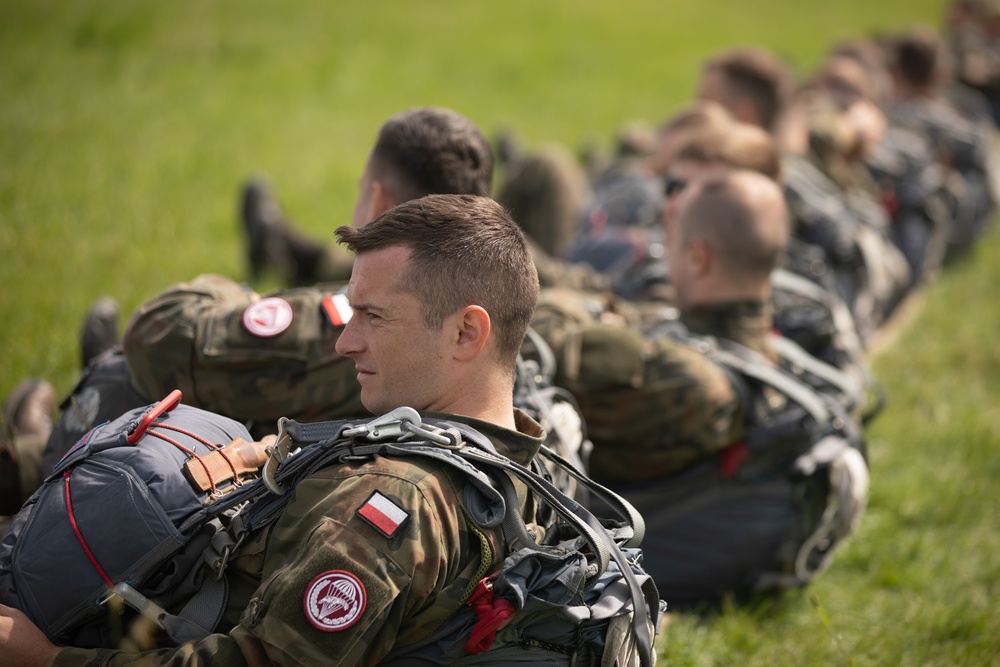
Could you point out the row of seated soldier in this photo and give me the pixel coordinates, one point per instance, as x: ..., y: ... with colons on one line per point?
x: 710, y: 296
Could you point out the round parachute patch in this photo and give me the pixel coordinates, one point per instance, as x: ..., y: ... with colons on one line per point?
x: 268, y: 317
x: 334, y: 601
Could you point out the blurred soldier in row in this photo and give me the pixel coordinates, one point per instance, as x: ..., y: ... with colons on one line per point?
x: 547, y: 191
x: 910, y: 183
x: 666, y: 416
x: 962, y: 143
x: 848, y: 226
x: 653, y: 407
x: 972, y: 31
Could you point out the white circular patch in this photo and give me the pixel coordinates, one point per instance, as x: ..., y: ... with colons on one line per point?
x: 268, y: 317
x: 334, y: 601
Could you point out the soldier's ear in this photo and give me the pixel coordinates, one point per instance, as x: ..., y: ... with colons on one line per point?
x: 380, y: 201
x: 701, y: 257
x: 471, y: 328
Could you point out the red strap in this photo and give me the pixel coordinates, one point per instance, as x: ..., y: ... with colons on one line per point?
x: 493, y: 614
x: 191, y: 452
x: 732, y: 457
x: 79, y: 535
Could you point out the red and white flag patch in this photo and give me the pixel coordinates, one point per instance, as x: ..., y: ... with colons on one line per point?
x: 334, y: 601
x: 383, y: 514
x: 338, y: 309
x: 268, y: 317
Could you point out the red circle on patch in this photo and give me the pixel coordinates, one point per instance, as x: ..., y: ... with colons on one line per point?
x: 268, y: 317
x: 334, y: 601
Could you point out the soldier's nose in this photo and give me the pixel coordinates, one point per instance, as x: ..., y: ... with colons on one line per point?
x: 347, y: 342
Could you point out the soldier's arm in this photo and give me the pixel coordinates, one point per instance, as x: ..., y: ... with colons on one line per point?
x: 358, y: 553
x: 248, y: 356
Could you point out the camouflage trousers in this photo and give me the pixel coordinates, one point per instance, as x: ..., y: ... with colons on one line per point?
x: 196, y: 337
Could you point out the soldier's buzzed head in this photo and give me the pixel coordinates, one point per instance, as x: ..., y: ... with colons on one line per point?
x: 752, y: 83
x: 918, y: 60
x: 463, y: 250
x: 727, y: 237
x: 716, y: 149
x: 423, y: 151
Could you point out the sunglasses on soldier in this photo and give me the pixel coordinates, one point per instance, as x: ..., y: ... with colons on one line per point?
x: 673, y: 185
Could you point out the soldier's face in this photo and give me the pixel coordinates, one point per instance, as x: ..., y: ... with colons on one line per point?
x: 399, y: 361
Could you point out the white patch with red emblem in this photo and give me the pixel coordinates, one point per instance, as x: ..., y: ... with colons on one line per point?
x: 268, y: 317
x: 334, y: 601
x: 338, y: 309
x: 384, y: 515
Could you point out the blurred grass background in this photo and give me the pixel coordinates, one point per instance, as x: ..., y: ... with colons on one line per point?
x: 128, y: 126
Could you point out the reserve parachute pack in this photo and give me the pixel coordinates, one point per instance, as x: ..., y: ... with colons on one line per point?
x: 767, y: 513
x: 149, y: 508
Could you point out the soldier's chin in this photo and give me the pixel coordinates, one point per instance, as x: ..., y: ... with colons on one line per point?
x: 373, y: 404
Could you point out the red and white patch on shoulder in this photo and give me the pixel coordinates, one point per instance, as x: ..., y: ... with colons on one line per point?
x: 334, y: 601
x: 268, y: 317
x: 338, y: 310
x: 383, y: 514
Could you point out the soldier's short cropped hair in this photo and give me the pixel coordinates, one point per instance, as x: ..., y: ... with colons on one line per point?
x: 759, y: 77
x: 742, y: 216
x: 918, y: 56
x: 868, y: 54
x: 737, y: 145
x: 695, y: 116
x: 431, y: 150
x: 465, y: 250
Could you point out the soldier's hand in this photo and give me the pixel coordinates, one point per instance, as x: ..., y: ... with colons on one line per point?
x: 22, y: 644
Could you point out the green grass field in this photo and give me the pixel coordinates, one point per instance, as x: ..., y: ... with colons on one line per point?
x: 127, y: 128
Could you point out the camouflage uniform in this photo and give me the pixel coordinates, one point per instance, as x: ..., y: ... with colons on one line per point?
x: 977, y: 60
x: 193, y: 337
x: 851, y: 227
x: 966, y: 147
x: 412, y: 580
x: 911, y: 185
x: 554, y: 272
x: 652, y: 405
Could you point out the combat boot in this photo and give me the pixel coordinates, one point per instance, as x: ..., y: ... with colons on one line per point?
x: 27, y: 415
x: 100, y: 329
x: 261, y: 217
x: 272, y: 242
x: 29, y: 408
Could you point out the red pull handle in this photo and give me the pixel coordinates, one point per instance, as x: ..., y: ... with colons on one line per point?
x: 166, y: 405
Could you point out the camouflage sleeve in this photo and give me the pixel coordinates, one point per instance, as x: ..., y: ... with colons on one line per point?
x: 214, y: 650
x: 651, y: 406
x: 363, y: 558
x: 358, y: 563
x: 232, y: 351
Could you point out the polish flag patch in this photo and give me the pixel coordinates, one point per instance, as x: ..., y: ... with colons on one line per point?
x: 268, y: 317
x: 382, y: 514
x: 334, y: 601
x: 338, y: 309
